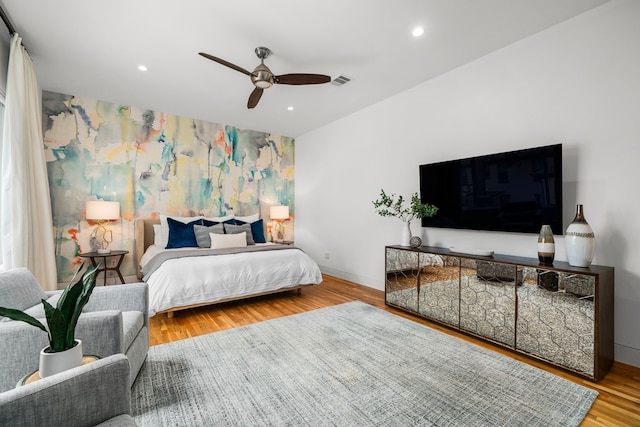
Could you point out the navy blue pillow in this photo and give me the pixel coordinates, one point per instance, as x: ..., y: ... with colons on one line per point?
x: 257, y: 229
x: 210, y: 223
x: 181, y: 235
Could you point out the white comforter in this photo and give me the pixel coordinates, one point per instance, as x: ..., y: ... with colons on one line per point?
x: 186, y: 281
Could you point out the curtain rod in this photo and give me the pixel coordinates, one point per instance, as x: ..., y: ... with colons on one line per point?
x: 7, y: 21
x: 10, y: 27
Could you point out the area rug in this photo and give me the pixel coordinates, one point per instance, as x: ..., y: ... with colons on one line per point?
x: 346, y: 365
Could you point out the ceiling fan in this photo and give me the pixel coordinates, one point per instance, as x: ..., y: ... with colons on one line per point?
x: 262, y: 77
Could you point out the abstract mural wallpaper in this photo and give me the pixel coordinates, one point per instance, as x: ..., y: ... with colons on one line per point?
x: 153, y: 163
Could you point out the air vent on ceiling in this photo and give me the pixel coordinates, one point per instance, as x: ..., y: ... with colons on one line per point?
x: 340, y: 80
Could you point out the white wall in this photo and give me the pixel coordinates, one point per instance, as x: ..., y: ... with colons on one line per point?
x: 577, y: 83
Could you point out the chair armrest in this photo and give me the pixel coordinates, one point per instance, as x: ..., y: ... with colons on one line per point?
x: 20, y: 346
x: 87, y: 395
x: 101, y: 332
x: 129, y: 297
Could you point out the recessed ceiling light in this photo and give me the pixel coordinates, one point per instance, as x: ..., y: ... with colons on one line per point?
x: 417, y: 31
x: 290, y: 108
x: 142, y: 68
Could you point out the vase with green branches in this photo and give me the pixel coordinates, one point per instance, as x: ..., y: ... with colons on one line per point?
x: 62, y: 319
x: 390, y: 205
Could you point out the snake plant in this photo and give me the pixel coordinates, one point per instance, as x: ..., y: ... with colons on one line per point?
x: 63, y: 318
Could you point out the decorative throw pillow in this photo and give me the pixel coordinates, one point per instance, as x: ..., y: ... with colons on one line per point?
x: 257, y: 230
x: 164, y: 226
x: 209, y: 223
x: 222, y: 241
x: 248, y: 218
x: 181, y: 235
x: 157, y: 235
x: 217, y: 219
x: 202, y: 233
x: 244, y: 228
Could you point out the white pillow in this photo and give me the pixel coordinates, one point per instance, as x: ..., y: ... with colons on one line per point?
x: 164, y: 226
x: 157, y: 235
x: 221, y: 241
x: 219, y: 218
x: 250, y: 218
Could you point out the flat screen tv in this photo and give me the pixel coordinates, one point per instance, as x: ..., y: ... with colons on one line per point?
x: 516, y: 191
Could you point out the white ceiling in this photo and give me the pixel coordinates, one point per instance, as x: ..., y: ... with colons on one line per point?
x: 92, y: 49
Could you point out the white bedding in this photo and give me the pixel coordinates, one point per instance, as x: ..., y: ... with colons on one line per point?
x: 187, y: 281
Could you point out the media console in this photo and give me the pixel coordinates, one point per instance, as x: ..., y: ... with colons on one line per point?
x: 559, y: 314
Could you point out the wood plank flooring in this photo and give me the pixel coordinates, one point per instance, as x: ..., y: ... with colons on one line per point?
x: 617, y: 405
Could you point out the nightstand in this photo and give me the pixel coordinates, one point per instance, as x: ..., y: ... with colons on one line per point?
x: 285, y: 242
x: 93, y: 255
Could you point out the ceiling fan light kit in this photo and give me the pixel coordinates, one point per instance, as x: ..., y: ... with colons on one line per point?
x: 262, y: 77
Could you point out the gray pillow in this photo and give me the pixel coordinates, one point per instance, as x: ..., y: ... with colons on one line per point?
x: 202, y: 234
x: 235, y: 229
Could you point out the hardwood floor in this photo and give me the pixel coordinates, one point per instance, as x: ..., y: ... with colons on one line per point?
x: 617, y: 405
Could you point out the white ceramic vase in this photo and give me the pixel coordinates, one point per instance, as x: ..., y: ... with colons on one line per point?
x: 53, y: 363
x: 579, y: 241
x: 406, y: 234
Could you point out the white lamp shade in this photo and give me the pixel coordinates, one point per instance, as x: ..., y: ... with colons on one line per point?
x: 279, y: 212
x: 102, y: 210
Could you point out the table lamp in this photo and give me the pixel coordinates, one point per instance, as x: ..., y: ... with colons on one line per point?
x: 279, y: 214
x: 102, y: 212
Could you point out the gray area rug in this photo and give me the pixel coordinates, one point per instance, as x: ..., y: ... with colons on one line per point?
x: 347, y: 365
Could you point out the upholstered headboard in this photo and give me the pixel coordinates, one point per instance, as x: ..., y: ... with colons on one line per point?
x: 144, y: 238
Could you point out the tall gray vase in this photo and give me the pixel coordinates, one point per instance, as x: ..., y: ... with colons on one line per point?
x: 579, y: 241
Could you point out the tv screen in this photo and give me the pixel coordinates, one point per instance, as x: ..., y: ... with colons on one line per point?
x: 516, y: 191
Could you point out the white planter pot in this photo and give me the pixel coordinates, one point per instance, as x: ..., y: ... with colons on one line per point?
x: 406, y: 234
x: 53, y: 363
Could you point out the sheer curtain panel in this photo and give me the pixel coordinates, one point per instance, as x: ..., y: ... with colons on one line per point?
x: 26, y: 226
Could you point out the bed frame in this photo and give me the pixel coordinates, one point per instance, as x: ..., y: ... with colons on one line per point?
x: 144, y: 237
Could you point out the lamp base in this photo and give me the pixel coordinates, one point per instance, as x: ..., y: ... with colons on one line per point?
x: 104, y: 251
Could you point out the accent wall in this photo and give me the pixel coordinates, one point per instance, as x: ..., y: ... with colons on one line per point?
x: 153, y: 163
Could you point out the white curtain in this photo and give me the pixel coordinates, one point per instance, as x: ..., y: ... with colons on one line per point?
x: 26, y: 225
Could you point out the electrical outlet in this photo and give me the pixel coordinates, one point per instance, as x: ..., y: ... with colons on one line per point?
x: 113, y: 263
x: 327, y: 255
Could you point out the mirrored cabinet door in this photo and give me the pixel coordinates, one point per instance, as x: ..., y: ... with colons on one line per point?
x: 401, y: 284
x: 440, y: 288
x: 556, y: 317
x: 487, y: 300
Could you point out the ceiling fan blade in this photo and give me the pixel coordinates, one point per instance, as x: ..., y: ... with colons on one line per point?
x: 223, y: 62
x: 254, y: 97
x: 302, y: 79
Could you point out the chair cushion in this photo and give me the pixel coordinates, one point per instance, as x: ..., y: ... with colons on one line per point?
x: 37, y: 311
x: 19, y: 289
x: 132, y: 322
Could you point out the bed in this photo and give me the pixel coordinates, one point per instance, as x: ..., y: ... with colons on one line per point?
x: 185, y: 278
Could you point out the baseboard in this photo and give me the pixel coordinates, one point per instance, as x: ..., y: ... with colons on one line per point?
x: 627, y: 355
x: 112, y: 279
x: 360, y: 280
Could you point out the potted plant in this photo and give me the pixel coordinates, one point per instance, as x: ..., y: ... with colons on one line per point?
x: 64, y: 351
x: 389, y: 205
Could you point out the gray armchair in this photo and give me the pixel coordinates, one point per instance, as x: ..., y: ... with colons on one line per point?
x: 94, y: 394
x: 115, y: 320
